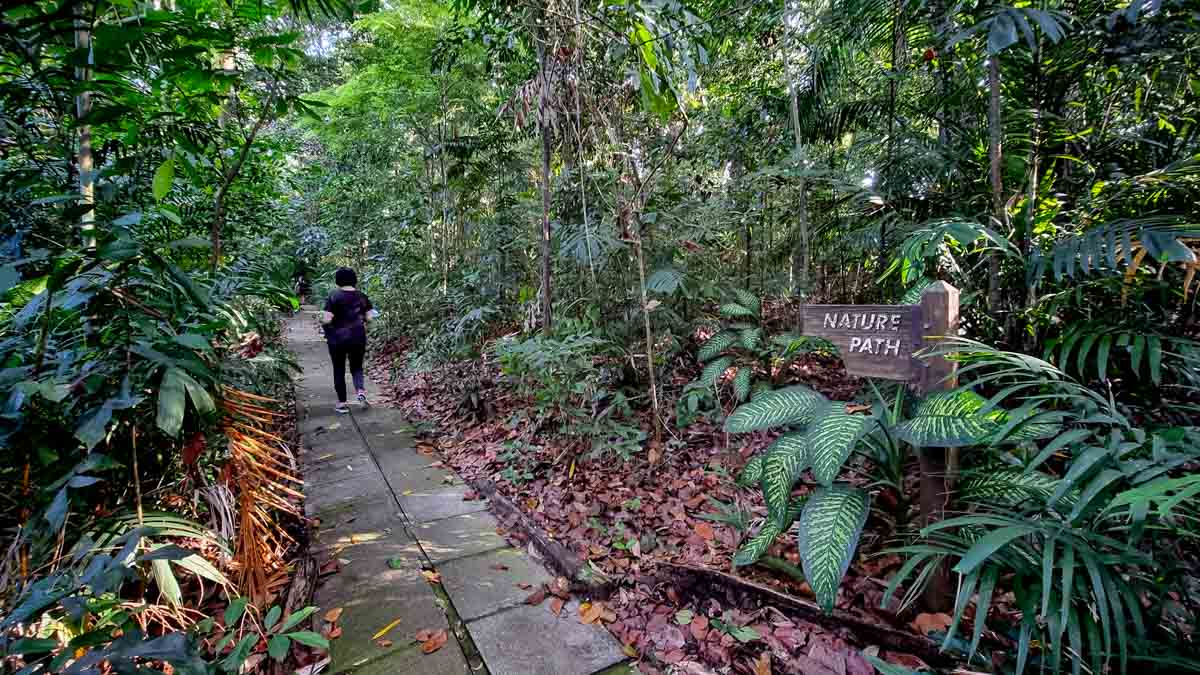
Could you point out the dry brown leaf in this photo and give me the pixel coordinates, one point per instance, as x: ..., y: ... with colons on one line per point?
x: 334, y: 614
x: 423, y: 635
x: 435, y: 642
x: 595, y: 612
x: 630, y: 651
x: 762, y: 665
x: 500, y: 568
x: 537, y: 597
x: 560, y: 587
x: 556, y: 605
x: 931, y: 623
x: 431, y: 576
x: 384, y: 643
x: 705, y: 531
x: 524, y: 586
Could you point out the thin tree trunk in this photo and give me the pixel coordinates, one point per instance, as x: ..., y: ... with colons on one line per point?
x: 995, y: 134
x: 1034, y: 170
x: 800, y: 257
x: 231, y: 174
x: 83, y: 109
x: 587, y: 227
x: 544, y: 128
x: 891, y: 153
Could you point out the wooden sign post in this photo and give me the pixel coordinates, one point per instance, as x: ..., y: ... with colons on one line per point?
x: 880, y: 341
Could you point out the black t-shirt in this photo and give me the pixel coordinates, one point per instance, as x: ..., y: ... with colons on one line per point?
x: 349, y: 309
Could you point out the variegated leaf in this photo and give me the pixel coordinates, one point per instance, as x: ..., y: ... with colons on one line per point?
x: 734, y: 310
x: 751, y: 338
x: 948, y: 419
x: 715, y: 345
x: 748, y: 300
x: 755, y: 547
x: 1010, y: 485
x: 791, y: 405
x: 782, y: 463
x: 828, y: 532
x: 752, y: 472
x: 831, y: 439
x: 713, y: 371
x: 741, y: 383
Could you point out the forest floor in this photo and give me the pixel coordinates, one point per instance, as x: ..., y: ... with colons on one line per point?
x: 655, y: 540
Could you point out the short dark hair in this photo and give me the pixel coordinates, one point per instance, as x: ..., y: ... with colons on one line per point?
x: 345, y: 277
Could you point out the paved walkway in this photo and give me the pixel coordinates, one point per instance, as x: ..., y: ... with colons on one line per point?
x: 388, y: 514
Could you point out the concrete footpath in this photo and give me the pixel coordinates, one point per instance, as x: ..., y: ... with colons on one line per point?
x: 414, y: 555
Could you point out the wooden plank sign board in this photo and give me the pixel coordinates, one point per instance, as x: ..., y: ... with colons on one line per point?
x: 875, y: 340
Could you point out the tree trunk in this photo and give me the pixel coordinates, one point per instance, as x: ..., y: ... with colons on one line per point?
x: 83, y: 108
x: 1034, y: 174
x: 544, y: 127
x: 800, y: 256
x: 995, y: 134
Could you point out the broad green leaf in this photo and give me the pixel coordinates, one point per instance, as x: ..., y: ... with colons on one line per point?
x: 741, y: 383
x: 752, y: 472
x: 948, y: 420
x: 309, y: 639
x: 748, y: 300
x: 827, y: 534
x: 831, y: 439
x: 172, y: 401
x: 783, y: 462
x: 163, y: 177
x: 296, y: 617
x: 751, y: 338
x: 715, y: 345
x: 713, y: 371
x: 167, y: 584
x: 272, y: 617
x: 734, y: 310
x: 792, y: 405
x: 278, y: 647
x: 755, y: 547
x: 233, y: 613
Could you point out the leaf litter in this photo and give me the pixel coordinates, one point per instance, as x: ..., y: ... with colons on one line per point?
x: 622, y: 523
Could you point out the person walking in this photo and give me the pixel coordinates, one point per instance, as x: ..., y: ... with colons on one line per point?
x: 347, y: 311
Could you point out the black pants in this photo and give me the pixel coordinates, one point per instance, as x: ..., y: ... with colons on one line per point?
x: 339, y: 354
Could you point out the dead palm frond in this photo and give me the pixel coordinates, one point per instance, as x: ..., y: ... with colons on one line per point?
x: 262, y: 475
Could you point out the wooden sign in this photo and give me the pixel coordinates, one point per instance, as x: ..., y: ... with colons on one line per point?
x: 875, y: 340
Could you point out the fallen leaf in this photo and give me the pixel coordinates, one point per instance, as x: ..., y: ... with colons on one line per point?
x: 396, y: 563
x: 630, y: 651
x: 931, y: 623
x: 470, y: 496
x: 556, y: 605
x: 537, y: 597
x: 852, y: 408
x: 705, y: 531
x: 762, y: 665
x: 435, y: 642
x: 384, y: 643
x: 595, y: 612
x: 332, y: 633
x: 500, y: 568
x: 334, y: 614
x: 423, y: 634
x: 560, y: 587
x: 384, y: 631
x: 324, y: 457
x: 431, y: 576
x: 524, y: 586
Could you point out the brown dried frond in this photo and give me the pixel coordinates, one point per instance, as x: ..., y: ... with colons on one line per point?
x: 263, y: 476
